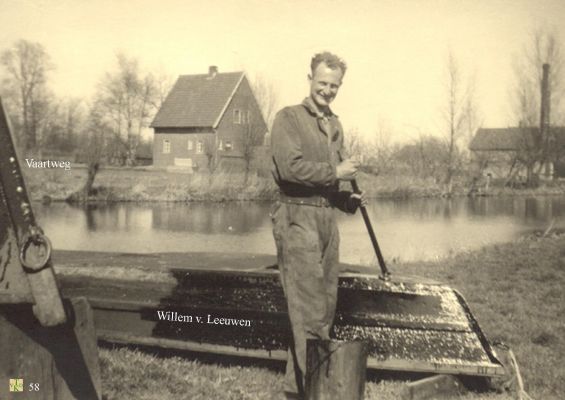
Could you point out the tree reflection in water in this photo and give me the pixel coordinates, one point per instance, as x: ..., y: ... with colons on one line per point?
x: 410, y: 229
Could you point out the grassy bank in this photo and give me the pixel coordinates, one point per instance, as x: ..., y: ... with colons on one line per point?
x: 515, y: 291
x: 147, y: 184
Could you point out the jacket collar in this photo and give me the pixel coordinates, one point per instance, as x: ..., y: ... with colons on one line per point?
x: 309, y: 104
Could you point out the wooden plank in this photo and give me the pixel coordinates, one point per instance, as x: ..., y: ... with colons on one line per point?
x: 14, y: 287
x: 401, y: 365
x: 281, y: 355
x: 128, y: 338
x: 203, y: 261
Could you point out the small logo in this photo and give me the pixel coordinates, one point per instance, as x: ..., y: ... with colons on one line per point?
x: 16, y: 385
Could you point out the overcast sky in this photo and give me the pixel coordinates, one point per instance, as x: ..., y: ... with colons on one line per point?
x: 396, y: 50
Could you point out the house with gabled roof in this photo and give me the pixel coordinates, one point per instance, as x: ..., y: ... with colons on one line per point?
x: 495, y: 150
x: 207, y: 118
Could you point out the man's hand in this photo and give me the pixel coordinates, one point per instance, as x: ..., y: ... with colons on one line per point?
x: 359, y: 199
x: 347, y: 169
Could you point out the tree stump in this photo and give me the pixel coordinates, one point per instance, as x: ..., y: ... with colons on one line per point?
x: 335, y: 370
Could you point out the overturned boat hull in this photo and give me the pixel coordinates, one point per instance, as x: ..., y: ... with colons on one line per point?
x: 196, y: 302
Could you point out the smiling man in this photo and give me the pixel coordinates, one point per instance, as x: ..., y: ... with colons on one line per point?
x: 307, y: 142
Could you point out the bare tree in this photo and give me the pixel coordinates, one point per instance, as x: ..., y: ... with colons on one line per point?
x: 162, y: 84
x: 267, y: 98
x: 542, y: 48
x: 251, y: 140
x: 375, y: 152
x: 93, y: 145
x: 456, y: 110
x: 424, y: 157
x: 61, y: 128
x: 381, y: 150
x: 128, y: 100
x: 353, y: 144
x: 27, y: 65
x: 472, y: 115
x: 73, y: 114
x: 210, y: 150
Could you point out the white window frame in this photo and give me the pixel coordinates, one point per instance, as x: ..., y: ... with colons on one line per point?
x: 237, y: 116
x: 190, y: 145
x: 166, y: 146
x: 228, y: 145
x: 199, y: 147
x: 221, y: 145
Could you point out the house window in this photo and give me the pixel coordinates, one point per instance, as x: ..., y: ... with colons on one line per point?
x: 166, y: 146
x: 190, y: 144
x: 199, y: 147
x: 221, y: 145
x: 228, y: 146
x: 245, y: 116
x: 237, y: 116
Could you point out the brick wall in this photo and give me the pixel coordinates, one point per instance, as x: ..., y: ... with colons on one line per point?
x: 179, y: 148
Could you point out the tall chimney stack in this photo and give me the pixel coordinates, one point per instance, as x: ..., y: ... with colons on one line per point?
x: 545, y: 99
x: 545, y: 110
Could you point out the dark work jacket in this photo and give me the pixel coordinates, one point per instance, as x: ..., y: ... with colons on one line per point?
x: 306, y: 147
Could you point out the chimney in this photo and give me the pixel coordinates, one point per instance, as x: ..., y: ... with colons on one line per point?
x: 212, y: 71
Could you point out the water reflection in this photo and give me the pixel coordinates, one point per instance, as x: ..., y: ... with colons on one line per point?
x: 411, y: 229
x: 208, y: 218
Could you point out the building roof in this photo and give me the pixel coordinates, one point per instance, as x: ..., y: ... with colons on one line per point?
x: 510, y: 139
x: 198, y: 100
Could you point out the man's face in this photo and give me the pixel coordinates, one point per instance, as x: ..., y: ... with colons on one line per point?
x: 325, y: 84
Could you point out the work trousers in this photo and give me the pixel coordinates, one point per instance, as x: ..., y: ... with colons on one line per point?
x: 307, y: 241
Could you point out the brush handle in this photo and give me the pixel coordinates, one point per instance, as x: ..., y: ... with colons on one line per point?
x: 384, y: 270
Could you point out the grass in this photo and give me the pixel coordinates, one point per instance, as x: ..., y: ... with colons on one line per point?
x: 190, y: 379
x: 515, y: 291
x: 147, y: 184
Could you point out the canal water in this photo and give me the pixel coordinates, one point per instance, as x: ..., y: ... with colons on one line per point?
x: 407, y: 230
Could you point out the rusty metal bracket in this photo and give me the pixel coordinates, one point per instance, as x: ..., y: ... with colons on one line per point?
x: 35, y: 250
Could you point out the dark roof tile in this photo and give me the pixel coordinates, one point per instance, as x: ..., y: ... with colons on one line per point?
x: 197, y: 100
x: 510, y: 139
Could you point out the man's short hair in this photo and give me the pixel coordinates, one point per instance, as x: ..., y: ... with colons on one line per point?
x: 330, y: 59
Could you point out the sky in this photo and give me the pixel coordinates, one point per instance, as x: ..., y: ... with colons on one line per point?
x: 396, y: 51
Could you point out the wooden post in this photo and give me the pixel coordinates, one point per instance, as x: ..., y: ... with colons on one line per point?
x: 16, y: 212
x: 52, y: 363
x: 47, y: 346
x: 335, y: 370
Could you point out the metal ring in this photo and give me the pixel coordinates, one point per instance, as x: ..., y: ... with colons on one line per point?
x: 37, y: 239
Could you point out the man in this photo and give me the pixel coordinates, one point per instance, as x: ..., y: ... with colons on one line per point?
x: 307, y: 142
